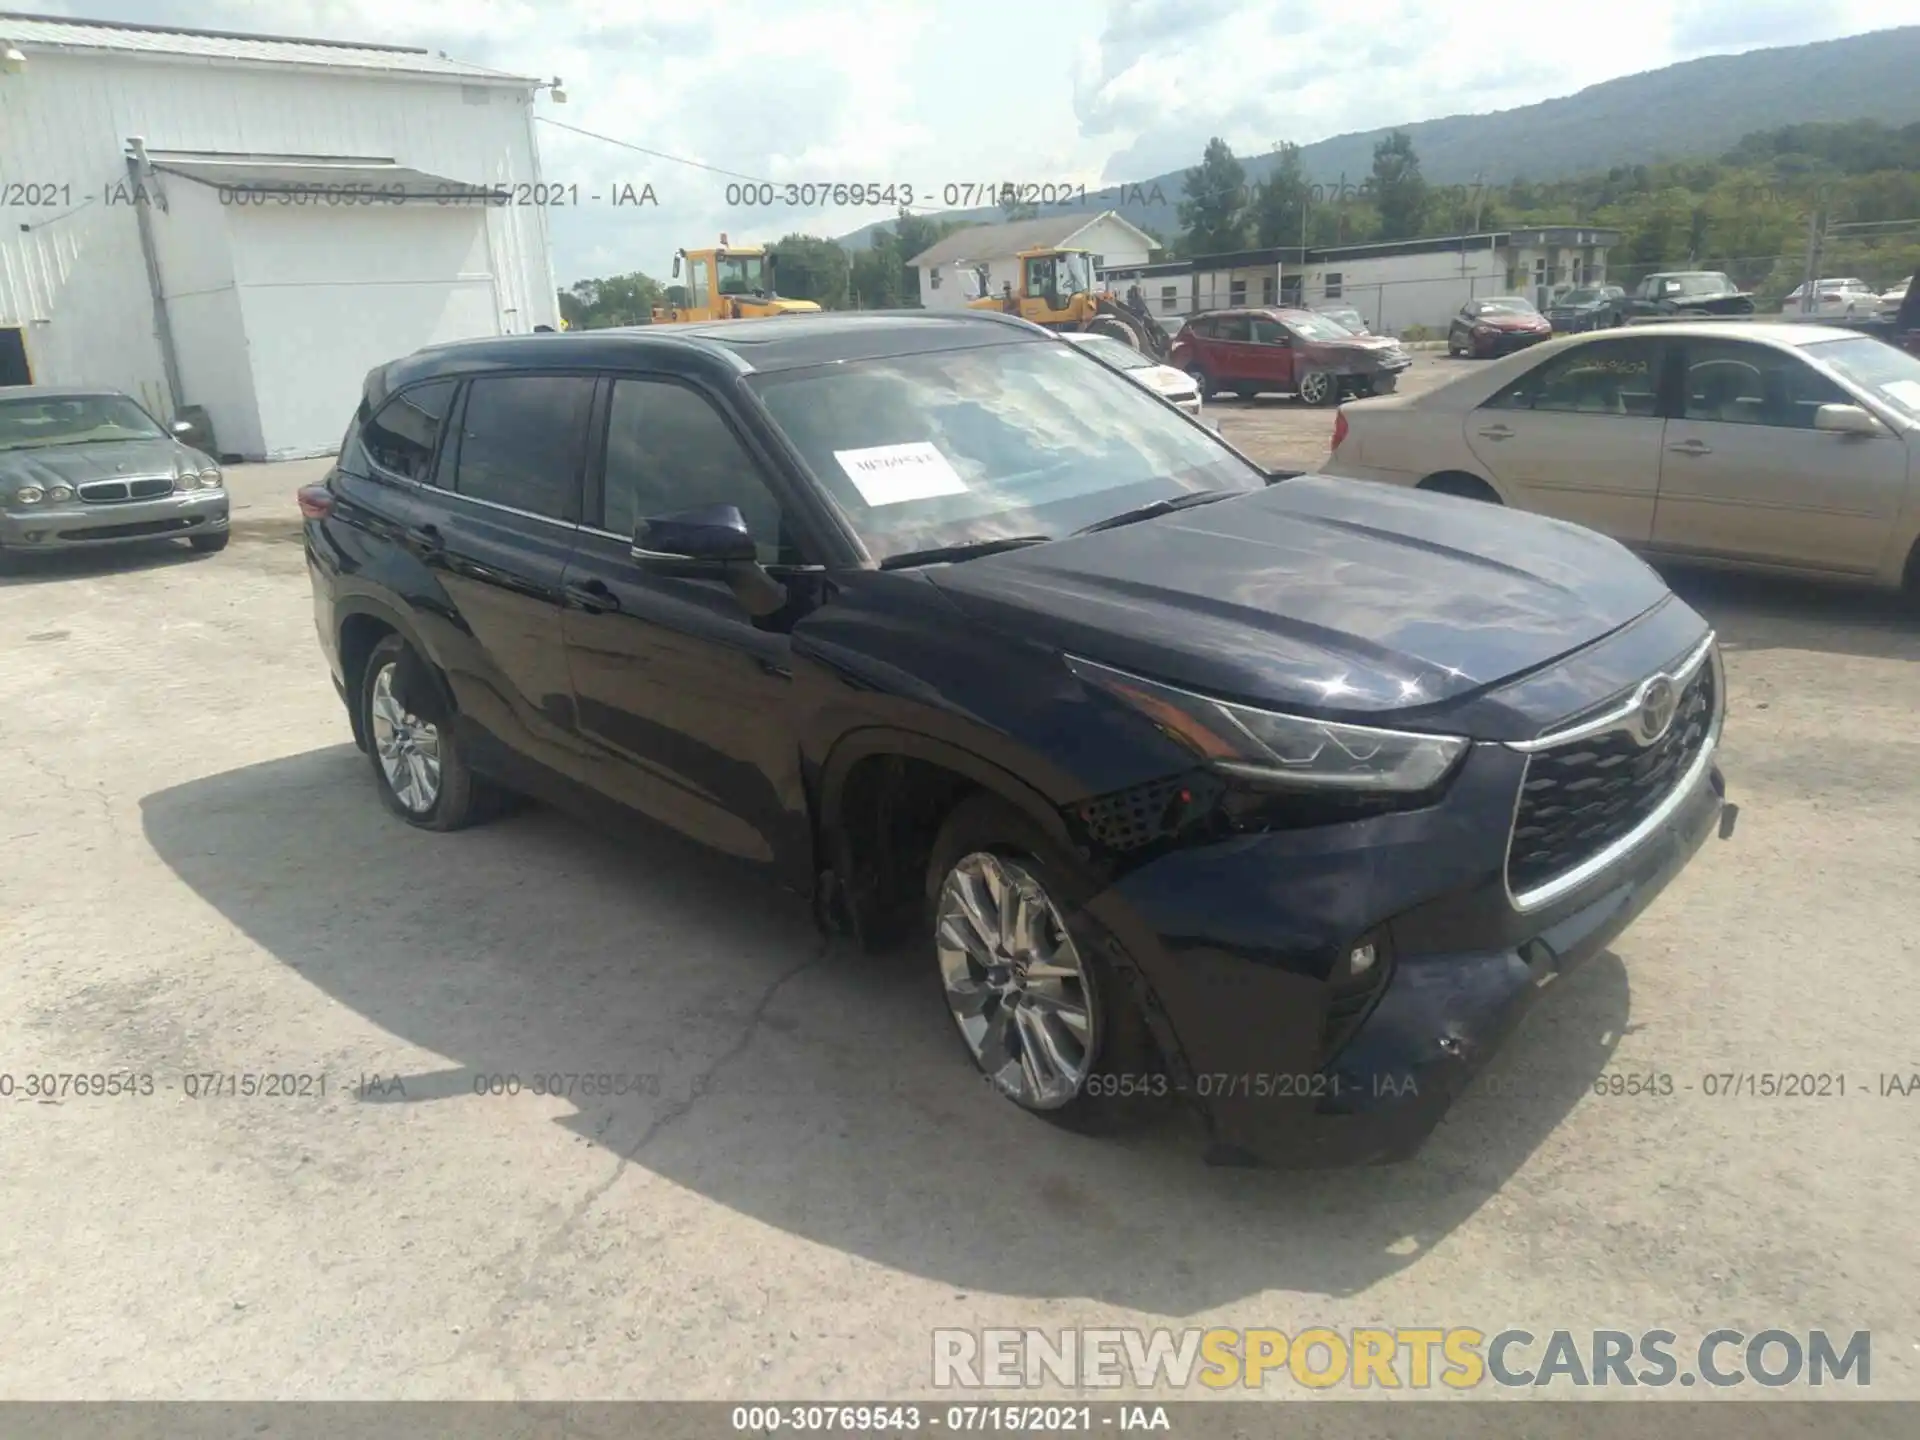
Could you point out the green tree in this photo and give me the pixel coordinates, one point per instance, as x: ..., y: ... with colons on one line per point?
x: 1398, y: 189
x: 813, y: 269
x: 1213, y: 217
x: 1280, y: 201
x: 615, y: 300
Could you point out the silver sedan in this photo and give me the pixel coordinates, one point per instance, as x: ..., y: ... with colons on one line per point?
x: 83, y: 468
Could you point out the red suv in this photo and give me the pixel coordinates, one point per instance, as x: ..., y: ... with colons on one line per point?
x: 1314, y: 358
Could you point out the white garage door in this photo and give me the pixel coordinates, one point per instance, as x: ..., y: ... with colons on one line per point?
x: 327, y: 293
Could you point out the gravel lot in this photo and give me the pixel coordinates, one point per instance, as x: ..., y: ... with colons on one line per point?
x: 201, y: 879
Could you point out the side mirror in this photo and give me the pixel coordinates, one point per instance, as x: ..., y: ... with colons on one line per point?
x: 712, y: 535
x: 1846, y: 420
x: 181, y: 427
x: 711, y: 541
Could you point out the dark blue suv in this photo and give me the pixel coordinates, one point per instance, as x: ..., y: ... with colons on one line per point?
x: 1283, y: 799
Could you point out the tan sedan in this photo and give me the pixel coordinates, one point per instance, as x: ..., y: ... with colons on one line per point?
x: 1792, y: 448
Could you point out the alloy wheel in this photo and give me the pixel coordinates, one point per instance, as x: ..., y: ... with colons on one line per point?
x: 1014, y: 981
x: 408, y: 747
x: 1314, y: 386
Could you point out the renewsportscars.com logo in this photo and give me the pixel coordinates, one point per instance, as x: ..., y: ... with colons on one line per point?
x: 1420, y: 1358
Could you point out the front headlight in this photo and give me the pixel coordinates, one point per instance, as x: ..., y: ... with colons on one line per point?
x: 211, y: 478
x: 58, y: 492
x: 1290, y: 751
x: 29, y: 495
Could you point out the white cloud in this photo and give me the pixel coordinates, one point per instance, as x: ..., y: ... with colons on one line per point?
x: 926, y: 94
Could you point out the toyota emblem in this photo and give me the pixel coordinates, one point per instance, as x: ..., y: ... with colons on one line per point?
x: 1659, y: 698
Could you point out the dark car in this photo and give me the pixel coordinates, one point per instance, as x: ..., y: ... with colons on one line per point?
x: 1689, y: 292
x: 1496, y: 325
x: 1317, y: 360
x: 82, y: 468
x: 1281, y: 799
x: 1588, y: 307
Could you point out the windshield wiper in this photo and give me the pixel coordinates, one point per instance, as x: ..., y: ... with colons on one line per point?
x: 1157, y: 507
x: 969, y: 550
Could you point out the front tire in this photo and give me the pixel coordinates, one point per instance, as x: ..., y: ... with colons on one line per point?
x: 417, y: 762
x: 1317, y: 388
x: 1043, y: 1015
x: 1199, y: 376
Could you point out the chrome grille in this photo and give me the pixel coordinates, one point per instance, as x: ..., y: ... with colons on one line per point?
x: 1586, y: 793
x: 109, y: 492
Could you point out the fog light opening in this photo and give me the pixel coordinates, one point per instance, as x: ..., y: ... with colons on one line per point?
x: 1361, y: 959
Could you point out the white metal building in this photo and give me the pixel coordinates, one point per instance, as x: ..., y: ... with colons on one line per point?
x: 1113, y: 241
x: 248, y: 224
x: 1395, y: 285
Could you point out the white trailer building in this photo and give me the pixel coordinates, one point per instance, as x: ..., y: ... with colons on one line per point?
x: 247, y: 224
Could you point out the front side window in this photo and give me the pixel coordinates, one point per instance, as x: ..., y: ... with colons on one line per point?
x: 959, y: 446
x: 1739, y: 384
x: 1039, y: 274
x: 1308, y: 326
x: 1609, y: 377
x: 520, y: 442
x: 1268, y: 331
x: 1238, y: 328
x: 698, y: 282
x: 401, y: 438
x: 669, y: 450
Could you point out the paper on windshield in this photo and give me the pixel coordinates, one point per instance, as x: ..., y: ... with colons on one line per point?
x: 1907, y: 392
x: 891, y: 474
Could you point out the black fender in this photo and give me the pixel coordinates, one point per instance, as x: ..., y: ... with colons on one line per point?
x: 869, y: 740
x: 421, y: 686
x: 859, y: 744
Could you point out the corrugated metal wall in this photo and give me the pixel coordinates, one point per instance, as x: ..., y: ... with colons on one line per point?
x: 71, y: 271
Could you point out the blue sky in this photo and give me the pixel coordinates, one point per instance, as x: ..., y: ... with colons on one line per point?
x: 1080, y: 91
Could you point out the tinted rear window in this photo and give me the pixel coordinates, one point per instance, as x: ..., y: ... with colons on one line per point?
x: 401, y: 438
x: 521, y: 439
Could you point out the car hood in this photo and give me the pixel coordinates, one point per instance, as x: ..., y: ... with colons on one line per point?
x: 1165, y: 379
x: 1358, y: 347
x: 98, y: 460
x: 1512, y: 322
x: 1318, y: 593
x: 1575, y: 307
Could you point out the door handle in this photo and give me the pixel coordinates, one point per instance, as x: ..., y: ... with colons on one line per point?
x: 1691, y: 447
x: 592, y: 596
x: 427, y: 538
x: 1499, y: 432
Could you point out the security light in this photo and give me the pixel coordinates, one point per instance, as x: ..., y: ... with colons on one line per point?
x: 13, y: 62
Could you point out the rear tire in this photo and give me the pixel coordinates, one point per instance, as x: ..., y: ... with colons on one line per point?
x: 1200, y: 379
x: 209, y: 544
x: 417, y: 760
x: 1095, y: 1076
x: 1467, y: 487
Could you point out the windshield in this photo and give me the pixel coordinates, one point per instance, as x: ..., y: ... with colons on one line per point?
x: 1579, y: 297
x: 73, y: 420
x: 1075, y: 271
x: 1115, y: 352
x: 1505, y: 305
x: 1317, y: 327
x: 1349, y: 318
x: 741, y: 274
x: 1710, y: 284
x: 959, y: 446
x: 1891, y: 376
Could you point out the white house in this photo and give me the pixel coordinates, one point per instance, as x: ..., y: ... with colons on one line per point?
x: 1112, y: 240
x: 1395, y: 285
x: 247, y: 224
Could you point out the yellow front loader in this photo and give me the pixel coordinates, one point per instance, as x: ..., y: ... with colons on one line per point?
x: 1056, y: 288
x: 728, y: 282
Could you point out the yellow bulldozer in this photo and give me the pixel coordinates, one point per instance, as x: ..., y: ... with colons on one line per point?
x: 728, y: 282
x: 1056, y: 288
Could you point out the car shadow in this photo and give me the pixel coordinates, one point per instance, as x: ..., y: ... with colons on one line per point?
x: 816, y: 1088
x: 1764, y: 612
x: 30, y: 569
